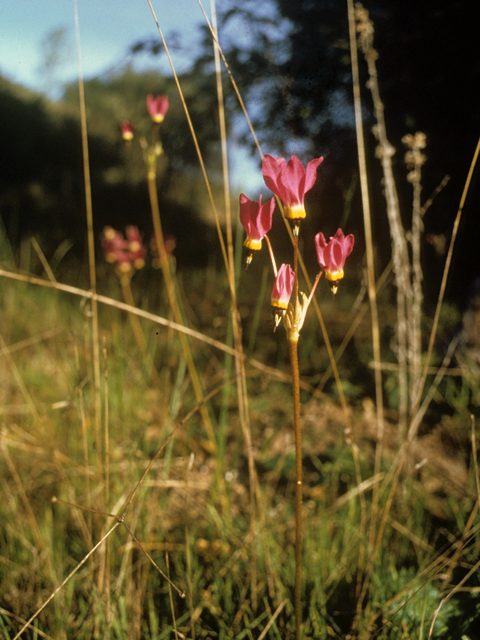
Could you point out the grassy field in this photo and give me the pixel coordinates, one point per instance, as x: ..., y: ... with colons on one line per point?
x: 191, y: 518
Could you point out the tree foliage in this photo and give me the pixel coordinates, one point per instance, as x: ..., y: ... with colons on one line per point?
x: 41, y: 183
x: 291, y: 61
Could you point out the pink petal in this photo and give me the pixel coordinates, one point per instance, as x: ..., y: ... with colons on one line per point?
x: 245, y: 217
x: 271, y: 171
x: 264, y: 218
x: 320, y: 245
x: 294, y: 181
x: 311, y: 173
x: 334, y: 258
x: 348, y: 244
x: 282, y: 289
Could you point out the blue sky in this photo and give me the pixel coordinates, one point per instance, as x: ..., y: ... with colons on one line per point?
x: 107, y: 29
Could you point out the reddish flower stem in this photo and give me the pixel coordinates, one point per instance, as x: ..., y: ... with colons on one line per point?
x: 292, y: 344
x: 292, y: 336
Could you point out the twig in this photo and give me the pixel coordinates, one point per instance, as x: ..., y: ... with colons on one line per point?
x: 401, y: 263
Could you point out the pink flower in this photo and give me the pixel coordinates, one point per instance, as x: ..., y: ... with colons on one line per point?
x: 331, y: 255
x: 256, y: 219
x: 127, y: 131
x: 157, y: 107
x: 123, y: 253
x: 290, y: 182
x: 283, y: 287
x: 136, y: 249
x: 114, y: 244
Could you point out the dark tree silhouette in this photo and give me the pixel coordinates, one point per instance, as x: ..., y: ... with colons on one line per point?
x: 292, y: 63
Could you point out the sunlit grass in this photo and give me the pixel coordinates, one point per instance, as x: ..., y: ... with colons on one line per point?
x: 42, y: 542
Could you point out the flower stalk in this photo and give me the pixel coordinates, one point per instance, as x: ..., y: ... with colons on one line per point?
x: 290, y: 181
x: 293, y: 334
x: 293, y: 351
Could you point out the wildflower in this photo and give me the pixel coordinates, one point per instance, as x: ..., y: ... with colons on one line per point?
x: 113, y: 244
x: 127, y: 131
x: 256, y: 219
x: 331, y: 255
x: 282, y: 291
x: 135, y: 247
x: 157, y: 107
x: 123, y: 253
x: 289, y: 181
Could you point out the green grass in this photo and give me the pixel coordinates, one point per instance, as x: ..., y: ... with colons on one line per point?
x: 48, y: 450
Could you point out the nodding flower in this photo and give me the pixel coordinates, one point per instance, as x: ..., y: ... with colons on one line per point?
x: 282, y: 291
x: 331, y: 255
x: 256, y: 219
x: 289, y: 181
x: 127, y: 131
x: 157, y: 107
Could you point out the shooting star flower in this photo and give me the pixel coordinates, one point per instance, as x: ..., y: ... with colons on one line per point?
x: 157, y: 107
x: 289, y: 181
x: 256, y: 219
x: 331, y: 255
x: 282, y: 291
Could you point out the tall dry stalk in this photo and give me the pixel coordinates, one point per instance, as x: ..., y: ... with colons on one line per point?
x: 242, y: 392
x: 400, y: 257
x: 95, y: 336
x: 371, y: 292
x: 91, y: 253
x: 418, y: 411
x: 415, y: 159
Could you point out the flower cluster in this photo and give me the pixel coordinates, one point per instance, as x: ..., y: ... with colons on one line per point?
x: 128, y: 253
x: 414, y: 158
x: 290, y: 181
x: 125, y: 253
